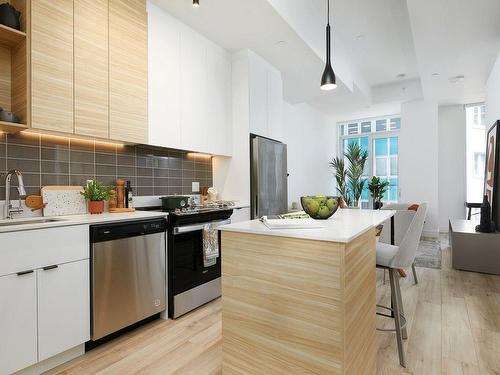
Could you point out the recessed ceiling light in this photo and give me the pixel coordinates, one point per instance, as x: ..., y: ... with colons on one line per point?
x: 196, y: 3
x: 360, y: 37
x: 457, y: 79
x: 401, y: 76
x: 281, y: 43
x: 435, y: 74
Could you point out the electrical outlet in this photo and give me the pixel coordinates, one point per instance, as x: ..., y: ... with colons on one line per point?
x: 195, y: 187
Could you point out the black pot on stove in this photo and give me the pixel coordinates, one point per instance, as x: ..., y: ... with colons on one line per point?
x: 173, y: 202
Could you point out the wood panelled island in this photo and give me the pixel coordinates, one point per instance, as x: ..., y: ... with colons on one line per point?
x: 300, y: 301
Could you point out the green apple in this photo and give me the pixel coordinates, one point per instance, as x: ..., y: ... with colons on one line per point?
x: 313, y: 207
x: 324, y: 212
x: 331, y: 203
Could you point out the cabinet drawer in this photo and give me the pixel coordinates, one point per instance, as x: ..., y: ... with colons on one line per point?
x: 28, y: 250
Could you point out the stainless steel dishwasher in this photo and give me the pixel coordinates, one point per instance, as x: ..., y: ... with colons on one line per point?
x: 128, y: 274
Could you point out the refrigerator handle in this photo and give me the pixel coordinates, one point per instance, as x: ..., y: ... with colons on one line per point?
x: 257, y: 207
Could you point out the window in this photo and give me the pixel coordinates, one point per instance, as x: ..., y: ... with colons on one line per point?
x: 379, y: 136
x: 475, y: 151
x: 479, y: 114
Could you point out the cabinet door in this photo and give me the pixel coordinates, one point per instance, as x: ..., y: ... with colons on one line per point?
x: 194, y: 130
x: 275, y: 106
x: 91, y: 67
x: 17, y: 322
x: 52, y: 65
x: 63, y: 308
x: 128, y: 71
x: 218, y: 96
x: 257, y: 77
x: 164, y: 78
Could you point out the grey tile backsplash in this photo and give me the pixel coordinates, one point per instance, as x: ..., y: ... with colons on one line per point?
x: 47, y: 160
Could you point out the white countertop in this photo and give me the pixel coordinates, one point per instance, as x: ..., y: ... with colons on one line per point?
x: 69, y: 220
x: 344, y: 226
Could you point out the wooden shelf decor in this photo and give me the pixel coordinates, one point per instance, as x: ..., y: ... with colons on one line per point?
x: 10, y: 37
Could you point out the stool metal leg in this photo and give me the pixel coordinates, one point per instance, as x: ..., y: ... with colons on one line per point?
x: 401, y: 308
x: 414, y: 272
x: 396, y: 302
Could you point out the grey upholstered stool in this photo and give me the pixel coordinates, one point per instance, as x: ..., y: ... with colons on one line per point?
x: 392, y: 258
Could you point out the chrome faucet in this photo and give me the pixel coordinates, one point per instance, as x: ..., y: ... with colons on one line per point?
x: 8, y: 209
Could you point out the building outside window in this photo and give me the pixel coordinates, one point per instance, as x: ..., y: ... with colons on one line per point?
x: 475, y: 151
x: 380, y: 137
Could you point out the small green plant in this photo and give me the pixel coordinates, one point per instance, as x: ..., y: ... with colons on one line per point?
x: 95, y: 191
x: 377, y: 189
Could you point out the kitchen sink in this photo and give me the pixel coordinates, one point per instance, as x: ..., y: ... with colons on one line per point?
x: 7, y: 223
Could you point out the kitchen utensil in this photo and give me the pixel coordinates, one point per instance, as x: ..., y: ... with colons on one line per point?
x: 33, y: 201
x: 170, y: 203
x: 121, y: 210
x: 8, y: 116
x: 43, y: 205
x: 10, y: 16
x: 212, y: 194
x: 320, y: 207
x: 120, y: 189
x: 63, y: 200
x: 112, y: 200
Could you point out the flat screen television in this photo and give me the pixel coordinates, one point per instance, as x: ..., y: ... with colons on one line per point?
x: 492, y: 173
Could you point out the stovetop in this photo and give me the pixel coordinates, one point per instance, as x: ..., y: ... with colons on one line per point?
x: 195, y: 214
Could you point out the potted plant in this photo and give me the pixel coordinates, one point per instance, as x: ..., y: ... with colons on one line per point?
x: 349, y: 179
x: 377, y: 189
x: 95, y: 193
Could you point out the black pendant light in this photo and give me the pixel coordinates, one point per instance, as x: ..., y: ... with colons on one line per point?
x: 328, y: 81
x: 196, y: 3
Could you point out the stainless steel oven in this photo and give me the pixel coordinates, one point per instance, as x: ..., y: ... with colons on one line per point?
x: 191, y: 284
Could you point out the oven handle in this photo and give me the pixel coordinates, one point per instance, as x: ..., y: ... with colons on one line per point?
x: 195, y: 227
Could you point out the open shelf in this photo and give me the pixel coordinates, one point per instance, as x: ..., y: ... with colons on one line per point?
x: 10, y: 37
x: 12, y: 127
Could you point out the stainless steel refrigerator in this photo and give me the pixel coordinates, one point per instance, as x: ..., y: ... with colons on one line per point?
x: 268, y: 171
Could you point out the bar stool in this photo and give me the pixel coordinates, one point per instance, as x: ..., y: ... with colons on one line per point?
x: 392, y: 258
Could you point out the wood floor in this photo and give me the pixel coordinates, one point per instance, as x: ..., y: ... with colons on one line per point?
x: 453, y: 328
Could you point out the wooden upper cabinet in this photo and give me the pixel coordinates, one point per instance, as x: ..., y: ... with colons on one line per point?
x: 52, y: 65
x: 128, y: 70
x: 91, y: 67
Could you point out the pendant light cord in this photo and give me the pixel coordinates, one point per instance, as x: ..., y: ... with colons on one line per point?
x: 328, y: 13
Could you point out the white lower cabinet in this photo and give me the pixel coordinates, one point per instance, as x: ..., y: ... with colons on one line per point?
x: 63, y: 307
x: 18, y: 322
x: 44, y: 294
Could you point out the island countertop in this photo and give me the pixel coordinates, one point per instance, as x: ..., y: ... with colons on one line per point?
x: 344, y: 226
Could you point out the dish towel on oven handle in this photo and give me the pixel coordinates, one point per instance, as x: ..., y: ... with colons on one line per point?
x: 210, y: 244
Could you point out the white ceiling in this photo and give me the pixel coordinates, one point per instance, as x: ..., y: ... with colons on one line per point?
x: 374, y: 41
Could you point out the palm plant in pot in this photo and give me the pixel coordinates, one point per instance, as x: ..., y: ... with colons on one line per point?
x: 377, y: 189
x: 348, y: 175
x: 95, y: 193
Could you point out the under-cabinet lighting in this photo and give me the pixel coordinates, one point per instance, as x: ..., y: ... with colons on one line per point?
x: 59, y: 138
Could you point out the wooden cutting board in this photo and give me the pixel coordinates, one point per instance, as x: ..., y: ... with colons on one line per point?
x: 63, y: 200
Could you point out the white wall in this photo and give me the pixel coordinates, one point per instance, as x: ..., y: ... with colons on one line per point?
x: 418, y: 159
x: 311, y: 143
x: 493, y: 95
x: 452, y: 164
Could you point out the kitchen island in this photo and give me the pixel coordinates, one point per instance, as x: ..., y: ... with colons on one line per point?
x: 300, y: 301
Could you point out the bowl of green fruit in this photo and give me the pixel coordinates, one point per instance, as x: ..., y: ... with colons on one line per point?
x: 320, y: 206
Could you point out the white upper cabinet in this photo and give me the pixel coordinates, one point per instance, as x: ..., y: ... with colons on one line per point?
x: 266, y: 98
x: 164, y: 79
x: 194, y: 90
x: 218, y: 100
x: 189, y: 88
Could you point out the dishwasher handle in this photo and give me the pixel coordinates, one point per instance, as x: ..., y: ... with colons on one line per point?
x: 195, y: 227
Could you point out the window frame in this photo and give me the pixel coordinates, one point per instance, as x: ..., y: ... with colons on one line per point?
x: 388, y: 133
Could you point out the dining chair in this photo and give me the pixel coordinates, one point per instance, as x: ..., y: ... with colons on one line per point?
x: 392, y: 258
